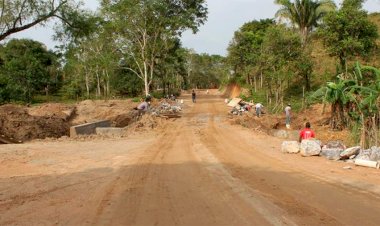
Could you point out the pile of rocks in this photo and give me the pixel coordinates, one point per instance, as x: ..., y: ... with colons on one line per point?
x: 167, y: 109
x: 334, y: 150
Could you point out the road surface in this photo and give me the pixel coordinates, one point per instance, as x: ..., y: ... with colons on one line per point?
x: 198, y: 170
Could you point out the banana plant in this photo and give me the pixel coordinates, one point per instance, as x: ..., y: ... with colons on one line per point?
x: 366, y: 99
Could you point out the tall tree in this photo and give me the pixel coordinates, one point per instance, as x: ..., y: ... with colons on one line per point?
x: 282, y: 50
x: 305, y: 14
x: 245, y: 48
x: 143, y: 27
x: 19, y: 15
x: 26, y: 67
x: 349, y: 32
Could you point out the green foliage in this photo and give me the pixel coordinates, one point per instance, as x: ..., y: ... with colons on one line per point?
x: 354, y: 102
x: 305, y: 14
x: 282, y: 50
x: 349, y: 32
x: 19, y: 15
x: 245, y: 48
x: 136, y: 99
x: 205, y: 71
x: 125, y: 83
x: 144, y: 29
x: 26, y: 69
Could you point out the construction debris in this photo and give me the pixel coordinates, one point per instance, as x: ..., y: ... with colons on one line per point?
x: 331, y: 153
x: 167, y: 110
x: 234, y: 102
x: 332, y: 150
x: 367, y: 163
x: 239, y: 106
x: 310, y: 148
x: 350, y: 152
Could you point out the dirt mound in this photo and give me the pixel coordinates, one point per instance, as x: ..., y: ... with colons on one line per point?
x: 232, y: 91
x: 53, y: 120
x: 252, y: 122
x: 124, y: 120
x: 64, y: 111
x: 17, y: 123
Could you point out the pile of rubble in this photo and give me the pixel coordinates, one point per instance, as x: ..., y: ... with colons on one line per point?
x: 167, y: 109
x: 238, y: 106
x: 334, y: 150
x: 134, y: 120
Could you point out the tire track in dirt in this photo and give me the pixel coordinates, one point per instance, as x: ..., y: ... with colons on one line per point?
x: 126, y: 186
x: 270, y: 195
x: 269, y: 177
x: 198, y: 170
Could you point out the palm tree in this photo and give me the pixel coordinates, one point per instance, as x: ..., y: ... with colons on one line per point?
x: 305, y: 14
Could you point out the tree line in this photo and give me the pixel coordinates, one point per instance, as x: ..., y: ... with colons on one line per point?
x: 276, y: 59
x: 126, y: 48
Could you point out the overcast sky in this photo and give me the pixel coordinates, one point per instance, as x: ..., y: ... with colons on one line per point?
x: 225, y: 17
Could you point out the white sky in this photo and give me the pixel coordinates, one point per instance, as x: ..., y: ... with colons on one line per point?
x: 225, y: 17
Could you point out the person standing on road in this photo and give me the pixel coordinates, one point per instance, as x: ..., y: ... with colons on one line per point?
x: 306, y: 133
x: 258, y: 107
x: 193, y: 96
x: 287, y: 114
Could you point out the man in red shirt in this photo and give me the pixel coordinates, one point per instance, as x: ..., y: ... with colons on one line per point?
x: 306, y: 133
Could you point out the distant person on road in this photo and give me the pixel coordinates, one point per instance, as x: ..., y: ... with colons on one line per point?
x: 259, y: 108
x: 193, y: 96
x: 207, y: 92
x: 287, y: 114
x: 306, y: 133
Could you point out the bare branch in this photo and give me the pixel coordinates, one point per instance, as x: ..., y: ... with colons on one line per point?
x: 14, y: 28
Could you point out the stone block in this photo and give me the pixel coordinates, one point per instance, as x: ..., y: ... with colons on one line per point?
x: 310, y: 147
x: 375, y: 154
x: 88, y: 128
x: 346, y: 154
x: 335, y: 144
x: 365, y: 154
x: 331, y: 153
x: 110, y: 131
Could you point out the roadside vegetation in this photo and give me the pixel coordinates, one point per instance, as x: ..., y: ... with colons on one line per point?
x: 310, y: 51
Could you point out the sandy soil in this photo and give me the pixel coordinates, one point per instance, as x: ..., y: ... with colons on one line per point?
x: 196, y: 170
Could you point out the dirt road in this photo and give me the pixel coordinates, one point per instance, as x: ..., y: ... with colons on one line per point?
x: 198, y: 170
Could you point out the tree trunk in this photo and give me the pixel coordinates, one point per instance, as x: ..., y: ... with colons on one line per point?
x: 87, y: 81
x: 337, y: 121
x: 146, y: 84
x: 307, y: 82
x: 98, y: 91
x: 343, y: 65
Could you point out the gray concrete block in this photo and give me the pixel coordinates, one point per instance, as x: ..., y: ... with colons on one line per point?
x: 110, y: 131
x: 88, y: 128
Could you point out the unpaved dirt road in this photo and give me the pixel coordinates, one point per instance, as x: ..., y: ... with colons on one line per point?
x: 198, y: 170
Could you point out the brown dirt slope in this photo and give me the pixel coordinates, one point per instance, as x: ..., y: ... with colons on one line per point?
x: 53, y: 120
x: 232, y: 90
x: 17, y: 123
